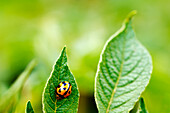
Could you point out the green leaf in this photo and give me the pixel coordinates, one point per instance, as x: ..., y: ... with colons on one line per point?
x: 135, y: 108
x: 142, y: 108
x: 60, y: 73
x: 124, y: 71
x: 29, y: 108
x: 10, y: 98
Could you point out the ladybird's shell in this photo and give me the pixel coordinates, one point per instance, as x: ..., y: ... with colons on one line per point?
x: 63, y: 90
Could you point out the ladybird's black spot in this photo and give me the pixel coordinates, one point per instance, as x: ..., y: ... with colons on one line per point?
x: 64, y: 84
x: 64, y: 88
x: 59, y: 90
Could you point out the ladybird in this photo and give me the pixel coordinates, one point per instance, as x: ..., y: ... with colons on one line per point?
x: 63, y: 90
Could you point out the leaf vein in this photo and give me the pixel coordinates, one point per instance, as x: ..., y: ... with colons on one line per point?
x: 120, y: 72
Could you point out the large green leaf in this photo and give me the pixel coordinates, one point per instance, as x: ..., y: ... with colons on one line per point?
x: 10, y: 98
x: 60, y: 73
x: 29, y: 108
x: 124, y: 71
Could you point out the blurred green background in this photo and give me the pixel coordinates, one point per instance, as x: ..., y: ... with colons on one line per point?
x: 40, y: 28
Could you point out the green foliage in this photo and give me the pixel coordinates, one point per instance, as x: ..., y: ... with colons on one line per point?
x: 142, y: 108
x: 10, y: 98
x: 29, y: 108
x: 124, y: 71
x: 60, y: 73
x: 39, y: 28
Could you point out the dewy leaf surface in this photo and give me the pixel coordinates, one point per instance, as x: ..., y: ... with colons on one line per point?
x: 124, y: 71
x: 29, y: 108
x: 60, y: 73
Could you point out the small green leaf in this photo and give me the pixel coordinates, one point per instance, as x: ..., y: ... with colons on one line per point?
x: 142, y: 108
x: 135, y: 108
x: 29, y: 108
x: 9, y: 99
x: 60, y: 73
x: 124, y: 71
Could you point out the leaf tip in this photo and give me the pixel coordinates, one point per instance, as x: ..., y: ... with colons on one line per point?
x: 29, y: 108
x: 141, y: 99
x: 63, y: 54
x: 130, y: 16
x: 64, y: 49
x: 31, y: 65
x: 28, y: 102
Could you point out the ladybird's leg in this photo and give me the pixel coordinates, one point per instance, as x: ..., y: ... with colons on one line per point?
x: 58, y: 97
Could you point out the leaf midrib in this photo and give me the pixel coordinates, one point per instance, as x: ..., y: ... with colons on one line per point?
x: 58, y: 80
x: 120, y: 72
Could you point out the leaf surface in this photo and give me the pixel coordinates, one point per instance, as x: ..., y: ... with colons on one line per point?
x: 124, y: 71
x: 29, y: 108
x: 60, y: 73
